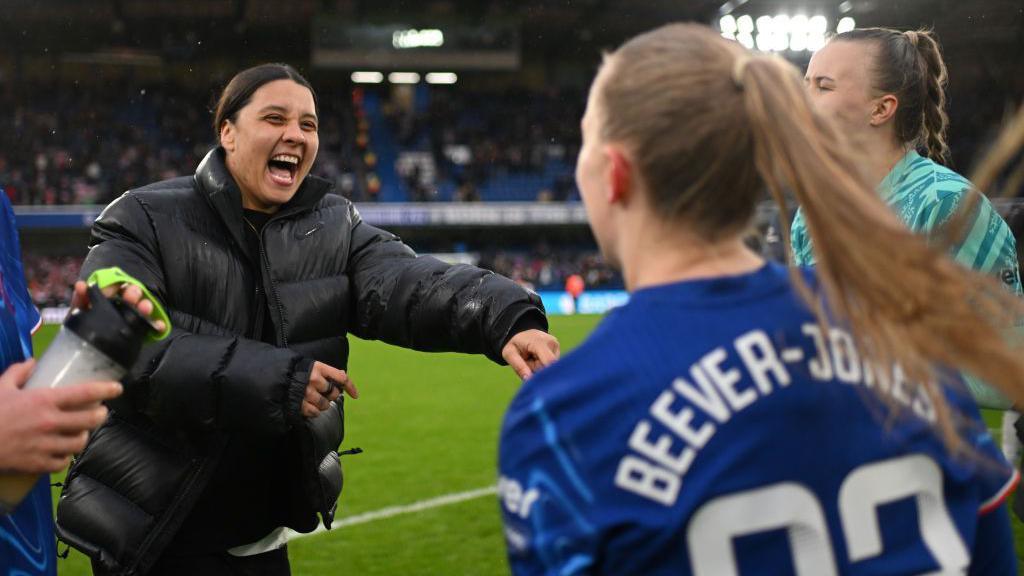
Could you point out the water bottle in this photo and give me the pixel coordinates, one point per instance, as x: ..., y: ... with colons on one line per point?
x: 101, y: 342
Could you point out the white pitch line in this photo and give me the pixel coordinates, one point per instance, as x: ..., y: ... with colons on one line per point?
x: 392, y: 511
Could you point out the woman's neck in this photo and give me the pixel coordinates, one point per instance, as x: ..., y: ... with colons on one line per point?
x: 662, y: 256
x: 882, y: 158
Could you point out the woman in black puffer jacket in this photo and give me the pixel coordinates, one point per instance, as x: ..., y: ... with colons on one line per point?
x: 227, y: 430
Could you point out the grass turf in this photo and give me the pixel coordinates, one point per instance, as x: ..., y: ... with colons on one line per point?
x: 429, y: 426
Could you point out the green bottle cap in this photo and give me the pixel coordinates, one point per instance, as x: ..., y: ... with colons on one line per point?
x: 109, y: 276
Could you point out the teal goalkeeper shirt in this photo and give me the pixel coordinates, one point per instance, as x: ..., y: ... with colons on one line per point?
x: 925, y: 195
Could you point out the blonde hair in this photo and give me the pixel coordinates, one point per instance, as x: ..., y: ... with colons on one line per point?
x: 710, y: 126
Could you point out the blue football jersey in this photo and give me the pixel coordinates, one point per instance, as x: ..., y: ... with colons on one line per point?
x: 27, y: 546
x: 712, y: 427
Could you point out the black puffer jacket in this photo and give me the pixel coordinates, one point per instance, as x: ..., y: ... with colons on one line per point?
x: 212, y: 384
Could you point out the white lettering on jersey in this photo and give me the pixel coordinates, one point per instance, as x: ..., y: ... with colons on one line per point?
x: 647, y: 480
x: 845, y: 358
x: 706, y: 399
x: 820, y: 366
x: 681, y: 422
x: 514, y: 499
x: 725, y: 381
x: 760, y: 359
x: 661, y: 450
x: 686, y: 416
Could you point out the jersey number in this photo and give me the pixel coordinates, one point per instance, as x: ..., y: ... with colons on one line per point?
x: 793, y: 507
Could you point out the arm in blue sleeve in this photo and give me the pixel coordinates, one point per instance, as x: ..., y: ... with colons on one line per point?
x: 543, y: 499
x: 993, y: 552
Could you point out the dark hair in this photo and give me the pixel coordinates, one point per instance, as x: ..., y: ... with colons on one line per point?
x: 240, y: 89
x: 909, y: 65
x: 709, y: 125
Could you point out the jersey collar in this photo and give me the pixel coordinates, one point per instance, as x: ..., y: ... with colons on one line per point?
x: 897, y: 175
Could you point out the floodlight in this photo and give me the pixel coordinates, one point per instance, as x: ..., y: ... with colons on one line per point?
x: 727, y: 24
x: 815, y: 42
x: 745, y: 24
x: 780, y: 41
x: 817, y: 25
x: 799, y: 25
x: 403, y: 78
x: 798, y: 42
x: 367, y: 77
x: 442, y: 78
x: 780, y: 24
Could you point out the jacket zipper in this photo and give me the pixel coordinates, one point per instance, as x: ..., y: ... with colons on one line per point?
x: 277, y: 300
x: 261, y: 312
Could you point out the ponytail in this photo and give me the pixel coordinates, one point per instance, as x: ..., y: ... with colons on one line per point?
x: 935, y: 79
x: 905, y: 302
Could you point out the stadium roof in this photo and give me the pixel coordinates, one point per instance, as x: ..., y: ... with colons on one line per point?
x: 190, y: 29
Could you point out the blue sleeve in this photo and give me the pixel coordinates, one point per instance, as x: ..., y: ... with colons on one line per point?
x: 27, y: 546
x: 993, y: 553
x: 13, y: 276
x: 544, y: 501
x: 994, y: 477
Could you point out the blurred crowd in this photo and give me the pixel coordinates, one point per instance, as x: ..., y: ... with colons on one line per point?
x: 543, y: 268
x: 69, y: 144
x: 65, y: 142
x: 473, y: 136
x: 50, y: 278
x: 72, y: 145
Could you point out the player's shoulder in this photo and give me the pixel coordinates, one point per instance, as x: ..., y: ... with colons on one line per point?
x: 591, y: 368
x: 933, y: 193
x: 932, y: 182
x: 641, y: 342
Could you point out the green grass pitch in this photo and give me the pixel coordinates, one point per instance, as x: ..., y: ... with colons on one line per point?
x: 429, y: 426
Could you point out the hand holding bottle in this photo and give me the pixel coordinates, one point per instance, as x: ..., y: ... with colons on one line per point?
x: 41, y: 428
x: 47, y: 411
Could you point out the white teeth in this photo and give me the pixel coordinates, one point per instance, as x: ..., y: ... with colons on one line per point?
x: 286, y: 158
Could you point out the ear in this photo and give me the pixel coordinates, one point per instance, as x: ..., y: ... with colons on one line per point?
x: 227, y: 135
x: 619, y: 174
x: 884, y: 109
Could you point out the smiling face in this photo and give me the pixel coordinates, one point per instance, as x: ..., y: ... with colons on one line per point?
x: 271, y: 144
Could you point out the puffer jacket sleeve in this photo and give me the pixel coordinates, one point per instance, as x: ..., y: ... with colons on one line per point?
x: 195, y: 382
x: 422, y: 303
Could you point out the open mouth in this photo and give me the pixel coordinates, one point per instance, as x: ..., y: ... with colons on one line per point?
x: 282, y: 169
